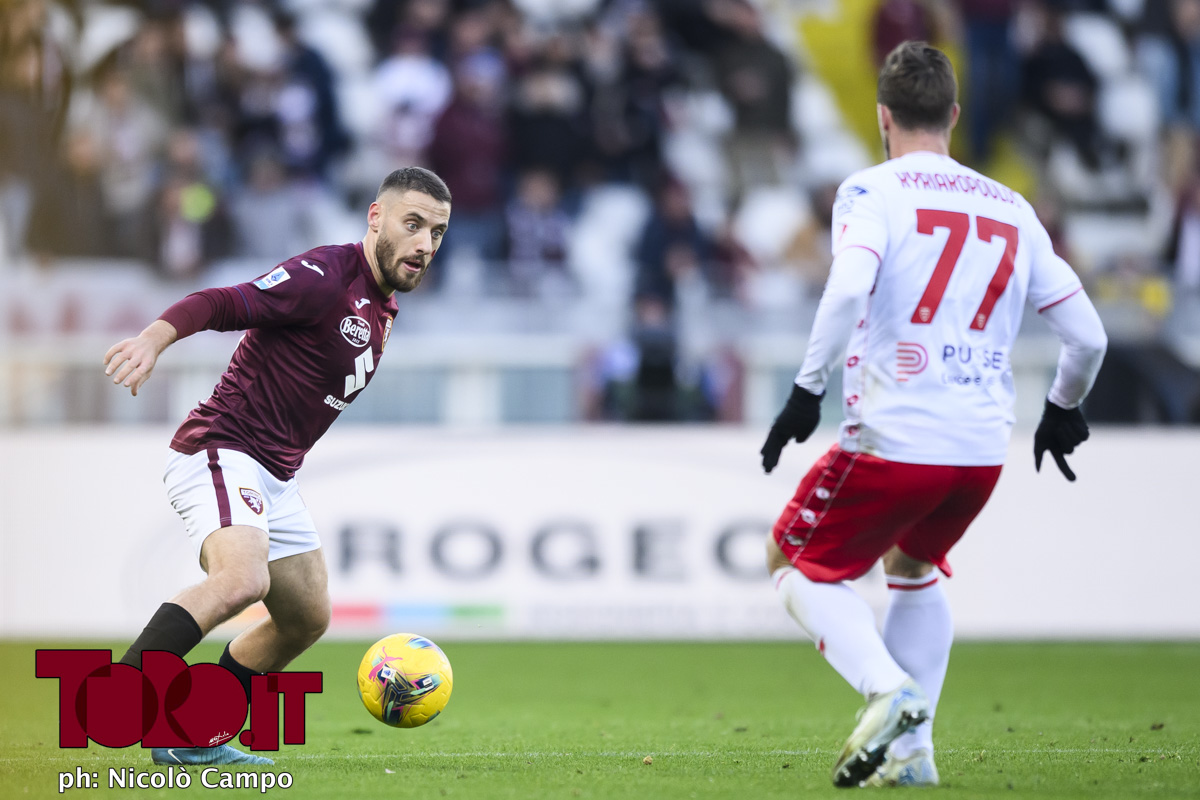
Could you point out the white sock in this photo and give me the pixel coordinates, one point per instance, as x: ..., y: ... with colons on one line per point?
x: 842, y: 625
x: 918, y: 632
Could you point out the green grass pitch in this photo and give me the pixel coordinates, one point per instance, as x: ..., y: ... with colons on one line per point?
x: 718, y: 720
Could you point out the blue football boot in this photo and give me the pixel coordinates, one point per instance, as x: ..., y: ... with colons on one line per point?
x: 222, y: 754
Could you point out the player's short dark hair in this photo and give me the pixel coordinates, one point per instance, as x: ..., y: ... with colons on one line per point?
x: 415, y: 179
x: 917, y: 85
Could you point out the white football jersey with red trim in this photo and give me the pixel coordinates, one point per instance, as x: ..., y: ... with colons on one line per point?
x: 927, y: 377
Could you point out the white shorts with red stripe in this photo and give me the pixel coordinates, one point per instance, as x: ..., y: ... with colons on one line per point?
x: 216, y: 488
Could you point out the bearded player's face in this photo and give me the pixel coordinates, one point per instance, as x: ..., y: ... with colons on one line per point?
x: 411, y: 227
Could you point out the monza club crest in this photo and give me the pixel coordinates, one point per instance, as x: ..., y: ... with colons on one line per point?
x: 252, y: 499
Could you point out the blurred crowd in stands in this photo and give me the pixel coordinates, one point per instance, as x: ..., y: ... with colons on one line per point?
x: 218, y: 129
x: 647, y: 151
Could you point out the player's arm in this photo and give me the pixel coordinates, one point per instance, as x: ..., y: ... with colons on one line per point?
x: 131, y: 361
x: 1062, y: 428
x: 842, y: 304
x: 272, y: 300
x: 860, y: 235
x: 1084, y: 343
x: 1055, y: 291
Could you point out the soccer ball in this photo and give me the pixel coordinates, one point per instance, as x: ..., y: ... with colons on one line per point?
x: 404, y: 680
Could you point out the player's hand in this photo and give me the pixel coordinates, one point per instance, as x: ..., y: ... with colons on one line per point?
x: 132, y: 360
x: 1060, y: 431
x: 797, y: 421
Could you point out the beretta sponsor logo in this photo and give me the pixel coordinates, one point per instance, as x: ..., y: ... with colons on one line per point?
x: 356, y: 331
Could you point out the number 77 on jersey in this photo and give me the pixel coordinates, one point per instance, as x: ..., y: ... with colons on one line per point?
x: 958, y: 225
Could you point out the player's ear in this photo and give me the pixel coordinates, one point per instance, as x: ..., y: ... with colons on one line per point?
x: 954, y: 112
x: 374, y: 216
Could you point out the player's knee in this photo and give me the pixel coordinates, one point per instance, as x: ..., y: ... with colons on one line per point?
x: 246, y: 587
x: 317, y: 622
x: 306, y: 627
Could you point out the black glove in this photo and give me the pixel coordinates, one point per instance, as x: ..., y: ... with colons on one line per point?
x: 797, y: 421
x: 1060, y: 430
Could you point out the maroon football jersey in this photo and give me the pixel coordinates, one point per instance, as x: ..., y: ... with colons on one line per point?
x: 316, y: 327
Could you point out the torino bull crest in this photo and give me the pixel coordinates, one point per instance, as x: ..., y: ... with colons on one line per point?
x: 169, y: 704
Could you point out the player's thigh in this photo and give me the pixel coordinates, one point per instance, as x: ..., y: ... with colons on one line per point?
x: 775, y: 557
x: 849, y: 510
x: 216, y: 490
x: 291, y: 526
x: 235, y: 549
x: 299, y: 597
x: 897, y: 562
x: 931, y: 538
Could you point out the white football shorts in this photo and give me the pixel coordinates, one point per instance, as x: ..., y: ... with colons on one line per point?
x: 216, y: 488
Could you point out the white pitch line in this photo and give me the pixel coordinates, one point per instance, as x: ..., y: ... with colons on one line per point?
x: 610, y: 754
x: 712, y: 754
x: 647, y: 751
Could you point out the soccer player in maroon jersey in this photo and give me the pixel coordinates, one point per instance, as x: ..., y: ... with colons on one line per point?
x: 316, y: 327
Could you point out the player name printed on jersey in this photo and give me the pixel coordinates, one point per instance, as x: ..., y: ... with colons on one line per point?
x: 965, y: 184
x: 927, y: 377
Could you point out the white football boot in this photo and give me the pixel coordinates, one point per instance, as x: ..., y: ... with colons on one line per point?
x: 880, y: 723
x: 916, y: 770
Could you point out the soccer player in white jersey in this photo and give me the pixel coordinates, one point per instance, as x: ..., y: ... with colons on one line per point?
x: 933, y: 264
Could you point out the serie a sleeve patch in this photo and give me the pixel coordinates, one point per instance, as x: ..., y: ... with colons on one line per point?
x: 846, y: 198
x: 272, y: 278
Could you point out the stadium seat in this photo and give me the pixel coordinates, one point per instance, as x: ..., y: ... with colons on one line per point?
x: 340, y: 38
x: 201, y: 31
x: 814, y: 112
x: 769, y: 219
x: 708, y: 113
x: 104, y: 29
x: 258, y: 45
x: 1100, y: 41
x: 610, y: 221
x: 550, y: 11
x: 360, y: 110
x: 695, y: 158
x: 1128, y: 11
x: 1097, y: 238
x: 832, y: 157
x: 1128, y: 109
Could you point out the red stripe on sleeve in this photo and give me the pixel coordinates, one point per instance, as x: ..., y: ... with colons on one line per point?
x: 1059, y: 300
x: 861, y: 247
